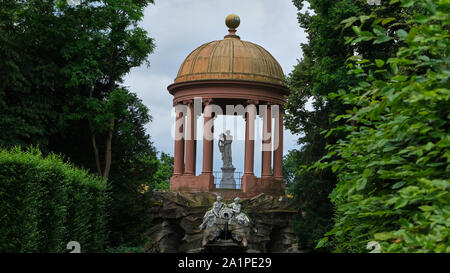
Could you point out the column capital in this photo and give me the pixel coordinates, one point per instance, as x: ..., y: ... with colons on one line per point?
x: 191, y: 103
x: 262, y: 113
x: 211, y: 114
x: 248, y: 109
x: 188, y: 102
x: 207, y: 101
x: 177, y: 103
x: 252, y: 101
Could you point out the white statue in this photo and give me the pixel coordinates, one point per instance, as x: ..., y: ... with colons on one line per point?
x: 210, y: 216
x: 225, y: 141
x: 238, y: 216
x: 222, y: 215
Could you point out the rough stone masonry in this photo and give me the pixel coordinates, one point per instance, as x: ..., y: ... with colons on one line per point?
x: 177, y: 216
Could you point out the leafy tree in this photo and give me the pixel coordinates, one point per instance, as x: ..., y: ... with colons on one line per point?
x: 393, y: 166
x: 290, y: 166
x: 321, y: 71
x: 106, y: 44
x: 112, y: 119
x: 133, y: 166
x: 161, y: 178
x: 315, y: 80
x: 144, y: 174
x: 28, y: 78
x: 62, y: 68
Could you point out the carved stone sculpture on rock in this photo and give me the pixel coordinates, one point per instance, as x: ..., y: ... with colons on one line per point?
x: 239, y: 223
x: 238, y: 216
x: 176, y: 218
x: 226, y: 222
x: 211, y: 215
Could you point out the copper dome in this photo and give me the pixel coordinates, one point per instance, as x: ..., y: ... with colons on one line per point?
x: 231, y: 59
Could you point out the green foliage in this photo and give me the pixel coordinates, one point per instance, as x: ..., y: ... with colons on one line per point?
x: 134, y: 165
x: 104, y: 44
x: 393, y: 166
x: 314, y: 205
x: 318, y: 78
x: 61, y: 88
x: 46, y: 203
x: 27, y: 77
x: 130, y: 202
x: 289, y: 169
x: 161, y: 178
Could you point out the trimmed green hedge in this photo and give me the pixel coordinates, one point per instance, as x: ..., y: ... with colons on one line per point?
x: 45, y: 203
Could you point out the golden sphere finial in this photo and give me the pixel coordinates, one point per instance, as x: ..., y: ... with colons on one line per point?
x: 232, y: 21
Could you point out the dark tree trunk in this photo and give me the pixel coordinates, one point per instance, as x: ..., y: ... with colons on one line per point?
x: 108, y: 149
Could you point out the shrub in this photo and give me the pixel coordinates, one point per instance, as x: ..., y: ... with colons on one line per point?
x: 393, y: 167
x: 45, y: 203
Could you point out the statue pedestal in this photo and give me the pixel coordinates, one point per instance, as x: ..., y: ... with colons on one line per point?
x: 227, y: 181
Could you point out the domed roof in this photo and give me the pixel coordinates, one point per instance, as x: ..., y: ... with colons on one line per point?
x: 231, y: 59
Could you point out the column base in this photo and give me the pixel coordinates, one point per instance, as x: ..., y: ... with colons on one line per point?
x: 192, y: 183
x: 267, y: 185
x: 249, y: 183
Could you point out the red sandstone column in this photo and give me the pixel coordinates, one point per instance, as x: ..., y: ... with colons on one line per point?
x: 179, y: 143
x: 267, y: 141
x: 278, y: 153
x: 190, y: 140
x: 195, y: 148
x: 250, y: 140
x: 208, y: 141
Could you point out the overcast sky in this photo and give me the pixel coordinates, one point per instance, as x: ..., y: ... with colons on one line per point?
x: 180, y: 26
